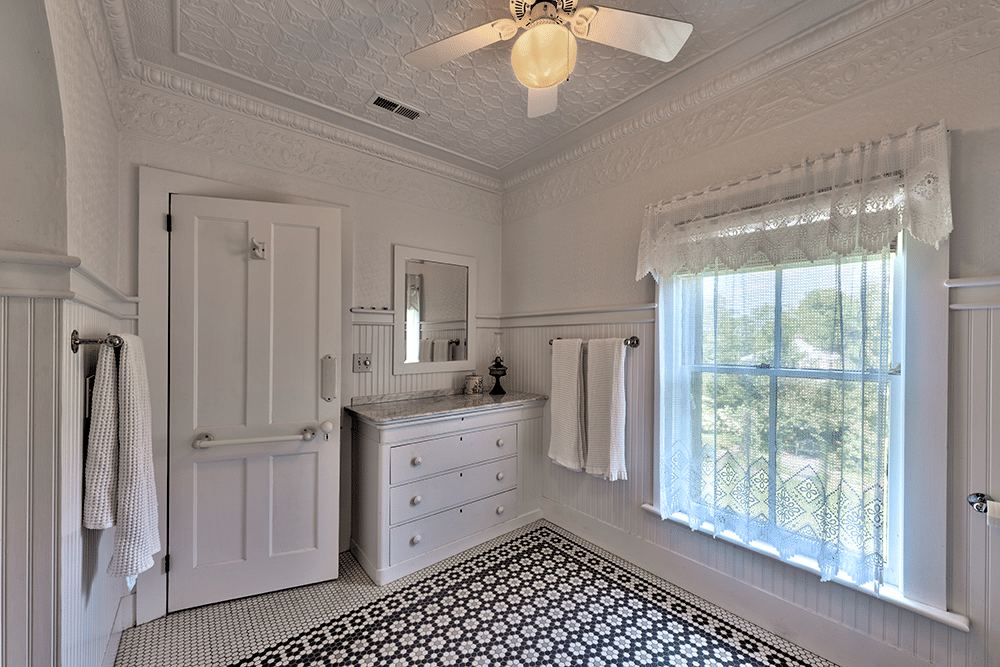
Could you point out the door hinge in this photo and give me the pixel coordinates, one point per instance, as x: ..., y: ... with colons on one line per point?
x: 166, y: 564
x: 170, y: 223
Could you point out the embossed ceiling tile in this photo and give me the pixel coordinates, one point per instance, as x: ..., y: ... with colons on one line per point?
x: 355, y: 48
x: 719, y: 22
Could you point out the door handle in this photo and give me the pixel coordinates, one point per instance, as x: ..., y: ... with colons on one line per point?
x: 328, y: 378
x: 206, y: 440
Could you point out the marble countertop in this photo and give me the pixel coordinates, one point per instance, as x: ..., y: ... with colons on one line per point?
x: 390, y: 411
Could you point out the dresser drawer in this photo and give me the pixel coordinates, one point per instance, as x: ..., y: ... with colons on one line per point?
x: 412, y: 539
x: 430, y: 457
x: 426, y: 496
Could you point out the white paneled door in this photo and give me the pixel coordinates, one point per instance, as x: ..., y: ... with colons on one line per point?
x: 254, y: 378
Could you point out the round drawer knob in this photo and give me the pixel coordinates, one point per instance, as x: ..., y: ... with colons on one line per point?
x: 500, y: 510
x: 500, y: 442
x: 416, y: 500
x: 499, y: 476
x: 415, y: 540
x: 416, y: 461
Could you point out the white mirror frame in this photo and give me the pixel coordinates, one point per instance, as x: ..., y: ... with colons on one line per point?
x: 400, y: 255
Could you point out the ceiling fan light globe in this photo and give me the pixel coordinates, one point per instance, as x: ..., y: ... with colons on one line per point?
x: 544, y: 56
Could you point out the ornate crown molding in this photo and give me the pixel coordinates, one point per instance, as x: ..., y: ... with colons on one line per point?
x: 203, y: 127
x: 855, y: 22
x: 131, y: 67
x: 926, y: 37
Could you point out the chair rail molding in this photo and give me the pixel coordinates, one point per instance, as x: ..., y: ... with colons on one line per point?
x: 36, y: 274
x: 974, y: 293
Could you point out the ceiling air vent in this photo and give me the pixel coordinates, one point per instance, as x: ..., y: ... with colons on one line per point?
x: 384, y: 102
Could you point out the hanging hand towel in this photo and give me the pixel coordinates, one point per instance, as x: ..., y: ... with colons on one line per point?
x: 100, y: 477
x: 566, y: 444
x: 606, y: 409
x: 138, y: 536
x: 440, y: 352
x: 425, y: 349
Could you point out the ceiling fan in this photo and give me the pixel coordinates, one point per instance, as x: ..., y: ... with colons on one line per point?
x: 545, y: 54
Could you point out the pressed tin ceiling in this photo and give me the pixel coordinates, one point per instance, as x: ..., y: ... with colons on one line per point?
x: 327, y: 59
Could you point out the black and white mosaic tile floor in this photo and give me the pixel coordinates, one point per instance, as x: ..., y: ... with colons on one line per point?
x: 536, y: 597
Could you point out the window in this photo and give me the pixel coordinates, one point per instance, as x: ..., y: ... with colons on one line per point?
x: 802, y: 383
x: 781, y: 404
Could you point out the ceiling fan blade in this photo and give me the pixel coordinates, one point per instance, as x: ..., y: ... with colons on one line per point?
x: 650, y: 36
x: 449, y: 48
x: 542, y: 101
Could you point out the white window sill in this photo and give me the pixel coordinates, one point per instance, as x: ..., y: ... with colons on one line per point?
x: 888, y: 594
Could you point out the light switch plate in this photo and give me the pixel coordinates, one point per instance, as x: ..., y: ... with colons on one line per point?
x: 363, y: 362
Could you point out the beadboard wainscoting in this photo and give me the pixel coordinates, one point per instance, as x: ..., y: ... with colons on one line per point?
x: 94, y: 607
x: 29, y: 414
x: 373, y: 334
x: 974, y: 461
x: 846, y: 626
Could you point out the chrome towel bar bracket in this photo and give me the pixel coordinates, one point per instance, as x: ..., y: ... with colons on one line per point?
x: 75, y: 341
x: 978, y: 501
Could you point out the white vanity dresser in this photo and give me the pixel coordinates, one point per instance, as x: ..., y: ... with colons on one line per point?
x: 435, y: 476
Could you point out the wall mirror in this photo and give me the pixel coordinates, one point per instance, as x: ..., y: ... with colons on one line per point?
x: 434, y: 299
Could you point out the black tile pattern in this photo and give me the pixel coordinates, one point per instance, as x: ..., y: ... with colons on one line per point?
x: 538, y: 596
x: 538, y: 600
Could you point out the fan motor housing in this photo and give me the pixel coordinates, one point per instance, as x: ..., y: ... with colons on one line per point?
x: 525, y: 11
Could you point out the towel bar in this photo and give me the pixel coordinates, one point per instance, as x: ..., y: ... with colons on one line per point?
x: 631, y: 341
x: 75, y: 341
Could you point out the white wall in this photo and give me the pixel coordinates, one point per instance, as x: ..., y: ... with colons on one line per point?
x: 575, y: 231
x: 33, y: 215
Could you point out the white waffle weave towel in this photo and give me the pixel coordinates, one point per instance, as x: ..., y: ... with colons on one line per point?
x: 606, y: 408
x: 138, y: 535
x: 567, y: 446
x: 100, y: 475
x: 120, y: 486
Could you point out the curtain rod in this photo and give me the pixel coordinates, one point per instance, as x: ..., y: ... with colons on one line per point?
x: 716, y: 188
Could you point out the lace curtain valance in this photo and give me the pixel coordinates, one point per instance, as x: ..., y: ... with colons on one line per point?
x: 855, y: 200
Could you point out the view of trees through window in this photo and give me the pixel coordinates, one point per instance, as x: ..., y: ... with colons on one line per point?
x: 788, y: 371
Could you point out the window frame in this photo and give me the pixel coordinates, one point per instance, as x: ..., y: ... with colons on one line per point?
x: 917, y: 465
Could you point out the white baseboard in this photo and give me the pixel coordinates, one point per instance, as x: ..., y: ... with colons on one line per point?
x: 833, y: 641
x: 124, y: 618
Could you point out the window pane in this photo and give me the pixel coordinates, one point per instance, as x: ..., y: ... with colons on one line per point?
x: 827, y: 311
x: 735, y: 436
x: 739, y: 329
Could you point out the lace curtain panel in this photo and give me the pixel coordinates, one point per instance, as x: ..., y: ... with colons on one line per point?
x: 777, y: 362
x: 855, y: 200
x: 779, y: 419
